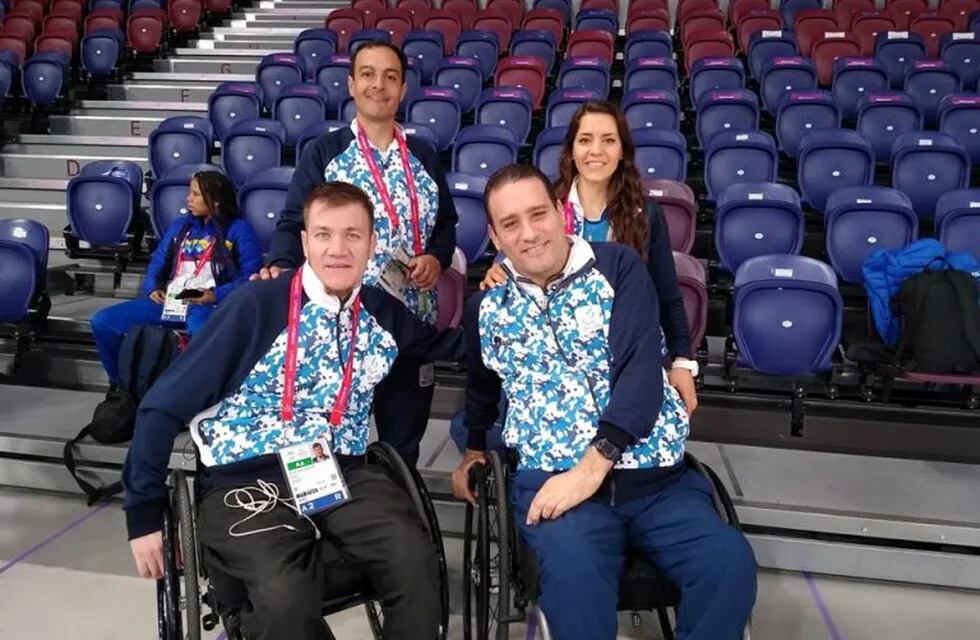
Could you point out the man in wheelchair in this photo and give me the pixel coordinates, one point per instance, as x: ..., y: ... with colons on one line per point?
x: 573, y: 340
x: 286, y: 370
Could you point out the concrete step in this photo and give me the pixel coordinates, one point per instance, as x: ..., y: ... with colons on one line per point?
x: 25, y: 165
x: 205, y: 50
x: 125, y: 108
x: 278, y: 22
x: 186, y: 79
x: 287, y: 13
x: 254, y: 47
x: 39, y: 193
x: 53, y: 216
x: 226, y: 66
x: 302, y: 4
x: 85, y: 145
x: 162, y: 92
x: 263, y: 33
x: 103, y: 126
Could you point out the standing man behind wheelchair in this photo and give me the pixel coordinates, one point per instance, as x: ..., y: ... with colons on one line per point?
x: 416, y: 223
x: 573, y: 340
x: 282, y: 366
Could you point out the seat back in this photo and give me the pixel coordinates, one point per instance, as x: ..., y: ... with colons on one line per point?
x: 33, y: 235
x: 168, y: 200
x: 657, y: 19
x: 396, y: 22
x: 895, y: 51
x: 652, y: 74
x: 234, y: 102
x: 713, y: 44
x: 597, y: 20
x: 100, y: 209
x: 564, y: 103
x: 313, y: 47
x: 438, y: 108
x: 547, y: 150
x: 481, y: 45
x: 925, y: 165
x: 345, y: 23
x: 250, y: 147
x: 732, y: 157
x: 927, y: 82
x: 545, y: 20
x: 756, y: 219
x: 364, y: 36
x: 931, y: 26
x: 277, y: 71
x: 803, y: 111
x: 833, y: 45
x: 867, y: 25
x: 676, y: 200
x: 959, y: 116
x: 647, y: 43
x: 471, y: 230
x: 448, y: 25
x: 652, y: 109
x: 144, y: 32
x: 831, y: 159
x: 425, y: 47
x: 961, y: 51
x: 101, y: 51
x: 43, y: 77
x: 767, y: 45
x: 177, y: 141
x: 332, y: 76
x: 298, y: 106
x: 846, y: 10
x: 17, y: 281
x: 185, y: 15
x: 884, y: 116
x: 715, y: 74
x: 810, y: 25
x: 508, y: 107
x: 756, y: 21
x: 451, y: 290
x: 314, y: 131
x: 782, y: 75
x: 718, y: 111
x: 661, y: 153
x: 525, y: 72
x: 463, y: 74
x: 590, y: 44
x: 489, y: 20
x: 262, y: 198
x: 483, y: 149
x: 855, y: 78
x: 585, y: 73
x: 958, y: 221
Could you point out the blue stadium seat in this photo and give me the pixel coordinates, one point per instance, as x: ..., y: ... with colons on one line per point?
x: 168, y: 199
x: 726, y: 111
x: 647, y: 43
x: 855, y: 78
x: 129, y: 172
x: 535, y: 42
x: 413, y: 78
x: 483, y: 148
x: 715, y: 74
x: 739, y: 156
x: 789, y: 8
x: 661, y: 153
x: 438, y: 108
x: 596, y: 19
x: 563, y: 103
x: 313, y: 47
x: 585, y: 73
x: 800, y: 112
x: 364, y: 36
x: 43, y: 77
x: 926, y: 165
x: 962, y: 52
x: 101, y: 51
x: 423, y: 133
x: 927, y: 81
x: 788, y: 315
x: 471, y: 230
x: 562, y: 6
x: 250, y: 147
x: 462, y: 74
x: 262, y: 198
x: 36, y: 237
x: 277, y: 71
x: 862, y: 220
x: 756, y: 219
x: 767, y: 45
x: 482, y: 45
x: 547, y: 149
x: 651, y: 73
x: 8, y: 71
x: 332, y: 76
x: 959, y: 116
x: 234, y: 102
x: 831, y: 159
x: 507, y: 107
x: 652, y: 109
x: 298, y: 106
x: 100, y: 209
x: 425, y: 47
x: 782, y: 75
x: 884, y: 116
x: 895, y: 51
x: 347, y: 111
x: 17, y: 281
x: 958, y: 220
x: 314, y: 131
x: 180, y: 140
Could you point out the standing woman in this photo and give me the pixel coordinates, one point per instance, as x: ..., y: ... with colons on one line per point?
x: 201, y: 258
x: 602, y: 196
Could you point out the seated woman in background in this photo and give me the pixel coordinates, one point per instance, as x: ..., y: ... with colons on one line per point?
x: 600, y: 190
x: 201, y: 258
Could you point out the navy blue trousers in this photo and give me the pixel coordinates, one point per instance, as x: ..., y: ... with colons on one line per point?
x: 581, y: 560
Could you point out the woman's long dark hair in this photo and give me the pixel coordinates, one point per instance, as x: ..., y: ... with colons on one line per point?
x: 624, y: 198
x: 220, y: 199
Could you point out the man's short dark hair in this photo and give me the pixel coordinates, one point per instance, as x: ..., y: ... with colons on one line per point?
x: 338, y: 194
x: 380, y: 44
x: 515, y: 173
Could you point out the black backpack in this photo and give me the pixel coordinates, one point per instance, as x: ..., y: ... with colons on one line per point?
x: 146, y: 352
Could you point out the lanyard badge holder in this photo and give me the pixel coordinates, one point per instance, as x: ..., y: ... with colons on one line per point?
x: 310, y: 468
x: 174, y: 308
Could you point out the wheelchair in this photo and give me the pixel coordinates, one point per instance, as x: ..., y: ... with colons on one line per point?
x: 189, y: 586
x: 500, y: 575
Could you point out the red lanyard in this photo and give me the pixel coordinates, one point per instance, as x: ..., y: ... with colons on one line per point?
x: 569, y: 218
x: 198, y: 264
x: 382, y: 188
x: 292, y: 340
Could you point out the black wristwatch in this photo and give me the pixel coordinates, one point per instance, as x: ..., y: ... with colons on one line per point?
x: 607, y: 449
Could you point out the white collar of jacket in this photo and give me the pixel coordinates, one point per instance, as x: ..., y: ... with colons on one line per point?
x: 318, y: 295
x: 392, y: 145
x: 580, y: 258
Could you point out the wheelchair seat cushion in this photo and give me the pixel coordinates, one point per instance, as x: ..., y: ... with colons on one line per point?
x: 643, y: 587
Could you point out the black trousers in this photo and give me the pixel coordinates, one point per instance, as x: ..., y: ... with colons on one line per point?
x: 283, y: 573
x: 402, y: 407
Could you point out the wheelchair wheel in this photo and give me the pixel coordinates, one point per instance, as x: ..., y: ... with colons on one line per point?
x: 187, y: 538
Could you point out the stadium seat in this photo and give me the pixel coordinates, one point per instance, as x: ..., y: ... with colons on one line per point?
x: 548, y: 20
x: 250, y: 147
x: 585, y: 73
x: 316, y: 130
x: 234, y: 102
x: 438, y: 108
x: 540, y: 44
x: 277, y: 71
x: 882, y: 117
x: 563, y: 103
x: 101, y: 51
x: 810, y: 25
x: 927, y: 81
x: 958, y: 220
x: 782, y: 75
x: 655, y: 109
x: 462, y: 74
x: 449, y: 25
x: 168, y: 198
x: 104, y: 19
x: 495, y: 22
x: 471, y: 230
x: 788, y: 315
x: 692, y: 281
x: 676, y: 200
x: 896, y: 51
x: 831, y: 159
x: 482, y: 45
x: 654, y: 19
x: 261, y: 199
x: 714, y: 74
x: 699, y: 16
x: 661, y: 153
x: 855, y: 78
x: 464, y: 11
x: 180, y: 140
x: 648, y: 44
x: 364, y: 36
x: 513, y: 10
x: 185, y: 15
x: 767, y: 45
x: 73, y: 10
x: 739, y: 156
x: 830, y: 47
x: 562, y: 6
x: 8, y: 69
x: 738, y: 9
x: 789, y: 9
x: 424, y: 48
x: 756, y: 219
x: 862, y: 220
x: 754, y: 22
x: 508, y: 107
x: 396, y: 22
x: 345, y: 23
x: 422, y: 133
x: 298, y: 106
x: 959, y: 117
x: 43, y: 77
x: 926, y: 165
x: 18, y: 277
x: 101, y: 207
x: 36, y: 237
x: 800, y: 112
x: 959, y: 12
x: 931, y: 26
x: 726, y: 111
x: 525, y: 72
x: 597, y: 20
x: 962, y: 52
x: 547, y: 150
x: 846, y: 10
x: 651, y: 74
x: 419, y: 10
x: 145, y: 30
x: 313, y: 46
x: 332, y: 76
x: 710, y: 44
x: 482, y: 149
x: 591, y: 44
x: 21, y: 27
x: 867, y: 25
x: 902, y: 11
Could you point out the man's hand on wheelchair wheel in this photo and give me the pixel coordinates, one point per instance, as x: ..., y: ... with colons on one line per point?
x: 461, y: 476
x: 148, y: 554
